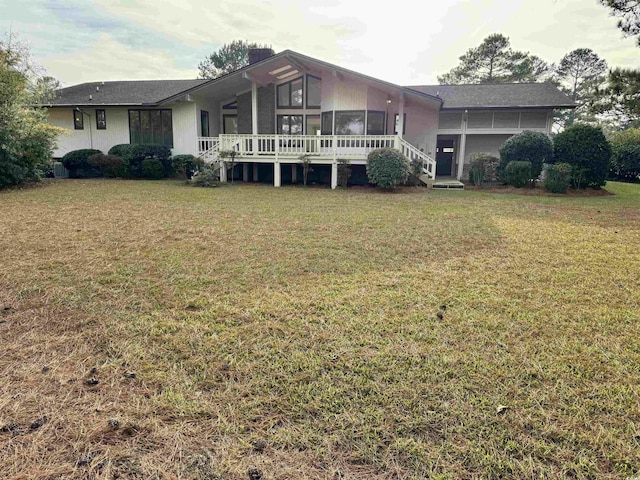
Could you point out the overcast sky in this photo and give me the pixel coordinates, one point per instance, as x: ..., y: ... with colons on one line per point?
x: 405, y: 42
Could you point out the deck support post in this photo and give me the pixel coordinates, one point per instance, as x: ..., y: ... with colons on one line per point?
x: 334, y: 175
x: 294, y: 173
x: 276, y: 174
x: 401, y: 115
x: 463, y: 146
x: 245, y: 172
x: 223, y: 171
x: 255, y: 172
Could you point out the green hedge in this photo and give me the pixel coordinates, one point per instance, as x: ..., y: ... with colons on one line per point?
x: 534, y: 147
x: 185, y: 165
x: 625, y: 158
x: 134, y: 155
x: 483, y: 169
x: 518, y: 174
x: 111, y: 166
x: 387, y: 167
x: 152, y: 168
x: 587, y: 150
x: 557, y: 177
x: 77, y: 162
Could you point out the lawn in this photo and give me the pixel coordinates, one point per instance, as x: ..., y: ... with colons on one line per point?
x: 152, y: 330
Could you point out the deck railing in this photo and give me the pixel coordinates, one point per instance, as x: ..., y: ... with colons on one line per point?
x: 324, y: 146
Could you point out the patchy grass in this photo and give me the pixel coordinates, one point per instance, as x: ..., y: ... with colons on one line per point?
x: 294, y: 332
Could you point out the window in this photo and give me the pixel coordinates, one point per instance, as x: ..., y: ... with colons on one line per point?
x: 327, y: 123
x: 350, y: 123
x: 290, y: 124
x: 78, y: 120
x: 290, y: 94
x: 312, y: 126
x: 230, y: 106
x: 506, y: 119
x: 480, y: 119
x: 230, y: 124
x: 313, y: 92
x: 375, y: 123
x: 533, y: 119
x: 450, y: 120
x: 101, y: 119
x: 153, y: 127
x: 204, y: 123
x: 404, y: 124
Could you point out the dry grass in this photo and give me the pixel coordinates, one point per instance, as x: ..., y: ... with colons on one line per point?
x: 295, y: 331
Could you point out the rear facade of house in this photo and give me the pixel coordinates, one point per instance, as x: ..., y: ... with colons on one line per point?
x: 281, y: 107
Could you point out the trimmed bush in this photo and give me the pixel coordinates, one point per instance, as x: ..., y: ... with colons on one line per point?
x: 534, y: 147
x: 587, y: 150
x: 557, y: 177
x: 387, y: 167
x: 206, y: 177
x: 77, y: 162
x: 134, y: 155
x: 111, y: 166
x: 152, y: 168
x: 625, y: 155
x: 518, y: 174
x: 185, y: 165
x: 484, y: 168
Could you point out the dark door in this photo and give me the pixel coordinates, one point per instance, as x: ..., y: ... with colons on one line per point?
x: 444, y: 157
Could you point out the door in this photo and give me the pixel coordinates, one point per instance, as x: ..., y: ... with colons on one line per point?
x: 445, y: 152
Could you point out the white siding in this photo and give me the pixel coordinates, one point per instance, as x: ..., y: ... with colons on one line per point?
x: 484, y: 144
x: 185, y: 118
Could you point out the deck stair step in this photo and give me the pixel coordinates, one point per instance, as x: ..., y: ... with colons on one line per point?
x: 448, y: 185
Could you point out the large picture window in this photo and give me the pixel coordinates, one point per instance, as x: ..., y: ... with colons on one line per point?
x: 230, y: 124
x: 101, y: 119
x: 154, y: 127
x: 327, y: 123
x: 290, y: 124
x: 204, y: 123
x: 313, y: 92
x: 350, y: 123
x: 375, y: 122
x: 290, y: 94
x: 78, y: 120
x: 397, y: 124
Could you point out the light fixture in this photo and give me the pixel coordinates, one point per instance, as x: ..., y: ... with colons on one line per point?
x: 388, y: 101
x: 288, y: 74
x: 279, y: 70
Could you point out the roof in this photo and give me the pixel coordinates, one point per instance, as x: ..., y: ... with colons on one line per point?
x: 134, y: 92
x: 505, y: 95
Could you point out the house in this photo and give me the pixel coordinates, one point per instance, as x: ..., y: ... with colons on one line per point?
x: 282, y: 106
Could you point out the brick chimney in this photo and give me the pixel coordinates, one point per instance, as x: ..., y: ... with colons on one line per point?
x: 259, y: 54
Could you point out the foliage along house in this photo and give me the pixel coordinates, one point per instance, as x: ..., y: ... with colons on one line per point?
x: 282, y: 106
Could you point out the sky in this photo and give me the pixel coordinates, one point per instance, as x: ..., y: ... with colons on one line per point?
x: 401, y: 41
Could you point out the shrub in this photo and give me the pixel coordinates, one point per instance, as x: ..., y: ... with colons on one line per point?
x: 305, y: 160
x: 587, y: 150
x: 152, y: 168
x: 518, y: 174
x: 557, y: 177
x: 111, y: 166
x: 77, y: 162
x: 625, y: 154
x: 387, y: 167
x: 205, y: 177
x: 134, y: 155
x: 344, y: 172
x: 185, y: 165
x: 534, y: 147
x: 484, y: 168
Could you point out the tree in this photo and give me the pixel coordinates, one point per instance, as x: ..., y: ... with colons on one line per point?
x: 580, y: 73
x: 26, y: 139
x: 493, y: 61
x: 625, y: 158
x: 628, y: 14
x: 230, y: 57
x: 620, y: 98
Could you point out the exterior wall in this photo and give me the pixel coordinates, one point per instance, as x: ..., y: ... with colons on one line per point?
x: 422, y: 127
x: 185, y: 129
x: 117, y: 130
x: 244, y: 113
x: 203, y: 103
x: 267, y: 109
x: 484, y: 144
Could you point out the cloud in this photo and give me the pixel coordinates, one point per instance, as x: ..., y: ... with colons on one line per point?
x: 405, y: 41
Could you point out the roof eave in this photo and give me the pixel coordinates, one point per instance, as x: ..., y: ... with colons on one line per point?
x: 510, y: 107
